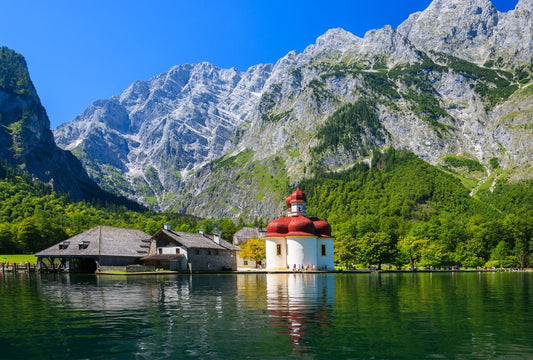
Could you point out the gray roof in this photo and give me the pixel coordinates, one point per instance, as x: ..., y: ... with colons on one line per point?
x: 247, y: 233
x: 102, y: 241
x: 196, y: 240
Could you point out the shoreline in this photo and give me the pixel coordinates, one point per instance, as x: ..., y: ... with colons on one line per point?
x: 262, y: 271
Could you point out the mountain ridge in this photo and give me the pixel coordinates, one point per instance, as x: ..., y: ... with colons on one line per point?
x: 161, y: 142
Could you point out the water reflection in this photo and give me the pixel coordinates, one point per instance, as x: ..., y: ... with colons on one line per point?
x: 300, y: 304
x: 359, y: 316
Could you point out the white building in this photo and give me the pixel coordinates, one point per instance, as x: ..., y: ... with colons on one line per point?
x: 295, y: 240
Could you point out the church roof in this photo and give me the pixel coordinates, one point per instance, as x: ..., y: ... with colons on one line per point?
x: 298, y: 225
x: 297, y: 196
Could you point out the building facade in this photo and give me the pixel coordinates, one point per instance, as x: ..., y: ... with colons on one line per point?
x: 195, y: 252
x: 296, y: 241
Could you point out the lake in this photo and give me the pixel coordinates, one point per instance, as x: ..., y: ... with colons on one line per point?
x: 267, y: 316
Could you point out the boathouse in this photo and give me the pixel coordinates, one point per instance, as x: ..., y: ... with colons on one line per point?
x: 101, y: 248
x: 295, y: 241
x: 195, y: 252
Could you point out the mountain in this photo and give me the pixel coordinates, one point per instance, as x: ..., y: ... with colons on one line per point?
x: 473, y: 30
x: 26, y: 141
x: 145, y: 141
x: 452, y: 85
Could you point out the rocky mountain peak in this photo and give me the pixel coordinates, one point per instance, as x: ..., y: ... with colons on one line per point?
x: 335, y: 40
x: 460, y: 27
x: 196, y: 138
x: 473, y: 30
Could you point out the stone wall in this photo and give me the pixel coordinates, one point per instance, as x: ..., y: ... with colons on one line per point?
x: 212, y: 260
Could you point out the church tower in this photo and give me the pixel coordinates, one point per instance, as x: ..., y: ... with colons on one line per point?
x: 297, y: 204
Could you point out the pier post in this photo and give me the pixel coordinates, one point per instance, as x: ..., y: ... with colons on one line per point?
x: 14, y: 267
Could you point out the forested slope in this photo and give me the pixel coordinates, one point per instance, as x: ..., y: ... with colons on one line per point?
x: 408, y: 201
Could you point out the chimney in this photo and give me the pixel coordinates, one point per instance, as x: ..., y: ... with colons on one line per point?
x: 216, y: 238
x: 166, y: 227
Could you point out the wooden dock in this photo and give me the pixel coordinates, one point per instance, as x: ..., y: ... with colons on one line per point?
x: 15, y: 268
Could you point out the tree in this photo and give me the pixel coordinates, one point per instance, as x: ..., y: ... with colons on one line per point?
x: 500, y: 252
x: 469, y: 254
x: 7, y: 245
x: 227, y: 229
x: 253, y: 249
x: 376, y: 248
x: 435, y: 255
x: 28, y: 236
x: 412, y: 246
x: 345, y: 250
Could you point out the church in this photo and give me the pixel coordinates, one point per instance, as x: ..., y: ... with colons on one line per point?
x: 295, y: 240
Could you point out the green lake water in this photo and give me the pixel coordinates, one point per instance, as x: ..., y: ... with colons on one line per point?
x: 267, y: 316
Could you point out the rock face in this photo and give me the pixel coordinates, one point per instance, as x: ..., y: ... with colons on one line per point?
x: 143, y: 142
x: 473, y: 30
x: 454, y: 79
x: 26, y: 140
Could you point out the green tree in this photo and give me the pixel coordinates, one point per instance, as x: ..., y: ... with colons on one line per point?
x: 520, y: 228
x: 500, y: 253
x: 7, y: 243
x: 412, y: 247
x: 345, y: 250
x: 227, y: 229
x: 469, y: 254
x: 376, y: 248
x: 28, y: 236
x: 435, y: 255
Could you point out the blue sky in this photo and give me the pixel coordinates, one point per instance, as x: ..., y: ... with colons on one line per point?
x: 81, y: 51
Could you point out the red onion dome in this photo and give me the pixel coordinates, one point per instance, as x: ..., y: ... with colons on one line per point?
x: 297, y: 196
x: 278, y: 227
x: 301, y: 226
x: 322, y: 228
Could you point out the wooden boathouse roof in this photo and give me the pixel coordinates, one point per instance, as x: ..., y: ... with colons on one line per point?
x: 102, y: 241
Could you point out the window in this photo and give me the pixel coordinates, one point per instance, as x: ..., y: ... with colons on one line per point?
x: 197, y: 252
x: 245, y: 262
x: 323, y: 249
x: 208, y: 252
x: 160, y: 251
x: 177, y: 250
x: 278, y: 249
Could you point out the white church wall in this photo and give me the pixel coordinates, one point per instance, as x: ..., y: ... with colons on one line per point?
x: 301, y: 251
x: 276, y: 257
x: 327, y: 259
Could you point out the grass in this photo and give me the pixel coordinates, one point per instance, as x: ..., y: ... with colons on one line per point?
x: 17, y: 258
